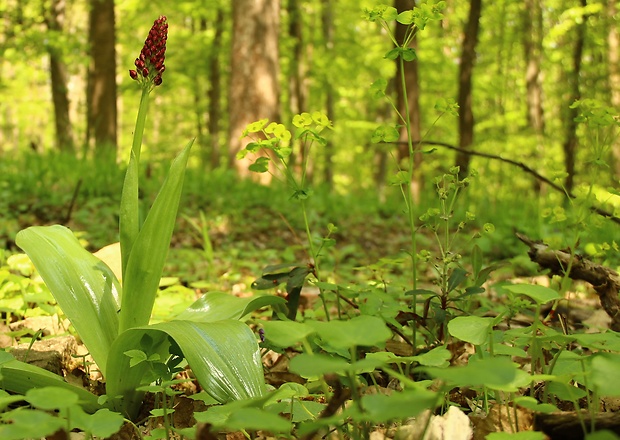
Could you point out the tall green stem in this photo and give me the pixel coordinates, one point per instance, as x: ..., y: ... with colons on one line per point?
x: 136, y: 145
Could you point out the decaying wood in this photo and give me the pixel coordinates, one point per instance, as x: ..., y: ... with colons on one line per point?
x: 567, y: 426
x: 605, y: 281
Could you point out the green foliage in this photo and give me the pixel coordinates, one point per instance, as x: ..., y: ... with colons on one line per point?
x: 113, y: 321
x: 433, y: 294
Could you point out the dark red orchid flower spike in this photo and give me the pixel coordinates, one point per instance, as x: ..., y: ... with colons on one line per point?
x: 150, y: 64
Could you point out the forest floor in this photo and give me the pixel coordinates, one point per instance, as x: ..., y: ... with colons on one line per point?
x: 227, y: 250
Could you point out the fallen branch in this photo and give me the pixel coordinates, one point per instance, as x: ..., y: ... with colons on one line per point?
x: 605, y: 281
x: 524, y: 167
x: 568, y: 426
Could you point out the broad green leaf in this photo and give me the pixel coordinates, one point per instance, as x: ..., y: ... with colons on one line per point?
x: 379, y: 408
x: 405, y: 17
x: 408, y: 54
x: 437, y: 357
x: 457, y: 276
x: 29, y: 423
x: 129, y: 215
x: 362, y: 330
x: 260, y: 165
x: 20, y: 377
x: 533, y: 404
x: 299, y: 410
x: 602, y: 341
x: 103, y: 424
x: 565, y: 391
x: 223, y: 355
x: 257, y: 419
x: 84, y: 287
x: 286, y: 333
x: 540, y: 294
x: 494, y: 373
x: 400, y: 178
x: 150, y: 248
x: 472, y: 329
x: 312, y: 365
x: 390, y: 13
x: 51, y: 398
x: 217, y: 306
x: 605, y: 367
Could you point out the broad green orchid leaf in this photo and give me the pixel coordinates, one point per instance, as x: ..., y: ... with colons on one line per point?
x: 129, y: 216
x: 84, y: 287
x: 149, y: 250
x: 223, y: 355
x: 217, y: 306
x: 19, y: 377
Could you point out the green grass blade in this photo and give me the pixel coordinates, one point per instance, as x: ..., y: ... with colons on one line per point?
x: 84, y: 287
x: 223, y: 355
x: 19, y: 377
x: 150, y: 248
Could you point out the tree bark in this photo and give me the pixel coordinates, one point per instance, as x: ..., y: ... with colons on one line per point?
x: 604, y: 280
x: 102, y: 90
x: 254, y: 89
x: 468, y: 59
x: 296, y: 92
x: 532, y: 48
x: 327, y: 23
x: 570, y: 141
x: 408, y: 96
x: 214, y: 94
x: 54, y: 20
x: 613, y: 59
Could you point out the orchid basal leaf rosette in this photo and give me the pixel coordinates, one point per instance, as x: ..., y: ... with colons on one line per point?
x: 112, y: 319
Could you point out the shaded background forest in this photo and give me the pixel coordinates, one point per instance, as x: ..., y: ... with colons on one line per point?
x: 513, y: 66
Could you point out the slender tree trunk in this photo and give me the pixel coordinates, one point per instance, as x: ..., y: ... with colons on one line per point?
x: 198, y: 27
x: 468, y: 59
x: 532, y: 48
x: 214, y: 94
x: 613, y: 57
x: 532, y: 52
x: 327, y: 23
x: 408, y: 96
x: 102, y: 90
x: 570, y: 140
x: 296, y: 93
x: 254, y: 90
x: 54, y: 19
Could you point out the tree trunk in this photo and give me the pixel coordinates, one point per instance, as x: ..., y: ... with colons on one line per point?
x: 532, y: 52
x: 296, y: 92
x: 468, y: 59
x: 408, y: 96
x: 214, y: 94
x: 327, y: 23
x: 570, y: 140
x: 254, y: 90
x: 613, y: 59
x: 532, y: 48
x: 54, y: 20
x: 102, y: 91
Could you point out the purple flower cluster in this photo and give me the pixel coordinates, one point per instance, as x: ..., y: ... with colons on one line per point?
x: 150, y: 63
